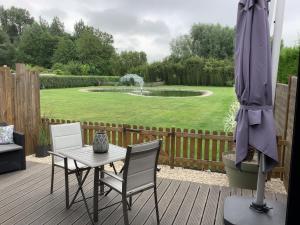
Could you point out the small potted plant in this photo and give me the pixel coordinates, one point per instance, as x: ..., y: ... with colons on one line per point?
x: 246, y: 176
x: 43, y: 142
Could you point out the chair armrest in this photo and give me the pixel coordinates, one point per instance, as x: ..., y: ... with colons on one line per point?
x: 19, y: 138
x: 113, y: 176
x: 56, y: 154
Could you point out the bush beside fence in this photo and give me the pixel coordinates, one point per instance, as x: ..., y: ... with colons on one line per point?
x: 192, y: 149
x: 59, y: 81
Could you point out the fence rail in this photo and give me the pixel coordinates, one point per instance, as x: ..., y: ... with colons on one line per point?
x: 195, y: 149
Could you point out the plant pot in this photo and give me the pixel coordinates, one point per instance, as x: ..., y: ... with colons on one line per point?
x: 42, y: 151
x: 100, y: 143
x: 246, y: 177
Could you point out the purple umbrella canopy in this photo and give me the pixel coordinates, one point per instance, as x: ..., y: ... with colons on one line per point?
x: 253, y: 85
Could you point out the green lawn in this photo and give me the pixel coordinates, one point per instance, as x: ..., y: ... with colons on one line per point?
x: 112, y: 107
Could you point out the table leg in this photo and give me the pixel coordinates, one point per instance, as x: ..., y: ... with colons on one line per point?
x: 80, y: 184
x: 102, y: 176
x: 96, y: 190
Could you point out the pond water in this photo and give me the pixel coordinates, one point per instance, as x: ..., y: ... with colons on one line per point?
x: 161, y: 93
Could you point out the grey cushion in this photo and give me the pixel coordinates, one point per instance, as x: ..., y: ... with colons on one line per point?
x: 9, y: 147
x: 6, y: 134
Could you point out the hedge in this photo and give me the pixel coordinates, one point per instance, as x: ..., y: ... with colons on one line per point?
x: 53, y: 81
x: 190, y: 71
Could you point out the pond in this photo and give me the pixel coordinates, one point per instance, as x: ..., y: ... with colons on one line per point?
x: 157, y: 93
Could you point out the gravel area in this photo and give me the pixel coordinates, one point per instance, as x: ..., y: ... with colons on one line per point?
x: 178, y: 173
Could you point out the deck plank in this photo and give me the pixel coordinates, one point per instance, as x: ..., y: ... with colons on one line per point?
x: 186, y: 207
x: 175, y: 204
x: 80, y: 216
x: 163, y: 204
x: 9, y: 180
x: 225, y: 192
x: 24, y: 184
x: 53, y: 200
x: 25, y: 209
x: 209, y: 214
x: 20, y: 201
x: 199, y: 205
x: 25, y: 199
x: 49, y: 211
x: 148, y: 207
x: 138, y: 204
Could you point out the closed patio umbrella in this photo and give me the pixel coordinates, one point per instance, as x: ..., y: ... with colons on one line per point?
x: 255, y: 121
x: 253, y: 83
x: 253, y: 87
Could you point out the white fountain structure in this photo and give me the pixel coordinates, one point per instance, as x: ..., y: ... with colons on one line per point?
x: 137, y: 80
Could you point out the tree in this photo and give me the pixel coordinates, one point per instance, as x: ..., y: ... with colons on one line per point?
x: 44, y: 25
x: 80, y: 28
x: 181, y: 47
x: 209, y: 40
x: 57, y: 28
x: 65, y: 51
x: 14, y: 20
x: 7, y: 51
x: 131, y: 59
x: 194, y: 71
x: 94, y: 51
x: 36, y: 46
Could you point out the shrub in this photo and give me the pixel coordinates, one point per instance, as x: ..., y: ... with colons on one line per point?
x: 52, y: 81
x: 194, y: 70
x: 229, y: 120
x: 38, y: 69
x: 73, y: 68
x: 288, y: 63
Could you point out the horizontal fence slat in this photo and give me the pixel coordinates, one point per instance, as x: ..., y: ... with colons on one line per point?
x: 200, y: 150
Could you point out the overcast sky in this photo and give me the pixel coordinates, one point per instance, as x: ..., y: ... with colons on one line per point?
x: 149, y: 25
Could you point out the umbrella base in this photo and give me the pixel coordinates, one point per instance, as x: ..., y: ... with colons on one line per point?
x: 237, y: 212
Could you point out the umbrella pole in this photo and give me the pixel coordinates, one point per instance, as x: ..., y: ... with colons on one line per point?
x: 261, y: 179
x: 259, y: 205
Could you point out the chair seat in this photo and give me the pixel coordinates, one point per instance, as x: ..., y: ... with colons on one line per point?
x: 71, y: 164
x: 113, y: 182
x: 117, y: 184
x: 9, y: 148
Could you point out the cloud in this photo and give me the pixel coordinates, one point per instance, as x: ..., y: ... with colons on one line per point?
x: 149, y: 25
x: 49, y: 14
x: 119, y: 21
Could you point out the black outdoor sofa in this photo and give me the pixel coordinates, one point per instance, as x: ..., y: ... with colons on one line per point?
x: 12, y: 156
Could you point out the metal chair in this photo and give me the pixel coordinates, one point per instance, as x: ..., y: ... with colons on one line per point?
x: 139, y: 174
x: 65, y: 137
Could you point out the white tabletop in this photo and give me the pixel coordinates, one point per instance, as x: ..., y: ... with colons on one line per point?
x: 86, y: 156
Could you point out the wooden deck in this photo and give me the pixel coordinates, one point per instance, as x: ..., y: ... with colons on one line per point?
x: 25, y: 199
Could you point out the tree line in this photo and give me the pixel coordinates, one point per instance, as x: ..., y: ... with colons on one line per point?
x: 204, y: 56
x: 87, y: 51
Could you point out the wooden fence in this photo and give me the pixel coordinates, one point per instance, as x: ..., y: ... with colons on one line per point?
x: 284, y: 116
x: 20, y: 103
x: 181, y: 147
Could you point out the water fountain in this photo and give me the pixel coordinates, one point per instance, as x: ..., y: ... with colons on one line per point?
x: 133, y: 79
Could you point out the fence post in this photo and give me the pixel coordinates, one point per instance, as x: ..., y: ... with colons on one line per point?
x: 172, y: 155
x: 124, y: 142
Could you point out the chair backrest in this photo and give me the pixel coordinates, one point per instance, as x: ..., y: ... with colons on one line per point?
x: 140, y: 165
x: 65, y: 137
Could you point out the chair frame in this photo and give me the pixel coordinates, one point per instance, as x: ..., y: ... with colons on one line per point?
x: 125, y: 204
x: 67, y: 171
